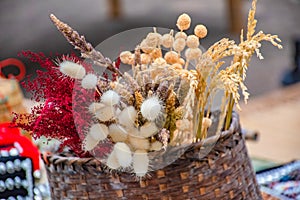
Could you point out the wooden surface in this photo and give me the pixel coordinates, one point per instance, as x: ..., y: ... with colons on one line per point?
x: 276, y: 116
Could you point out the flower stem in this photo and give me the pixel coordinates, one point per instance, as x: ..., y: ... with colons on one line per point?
x: 229, y: 112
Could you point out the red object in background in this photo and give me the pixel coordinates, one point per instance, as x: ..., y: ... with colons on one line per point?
x: 11, y: 137
x: 14, y: 62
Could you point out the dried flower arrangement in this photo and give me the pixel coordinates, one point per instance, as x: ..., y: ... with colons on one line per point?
x: 163, y: 103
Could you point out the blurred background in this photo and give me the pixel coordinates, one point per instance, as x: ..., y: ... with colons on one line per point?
x: 25, y: 25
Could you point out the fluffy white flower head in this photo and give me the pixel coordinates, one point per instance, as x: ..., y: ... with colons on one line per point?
x: 89, y: 81
x: 72, y: 69
x: 151, y: 108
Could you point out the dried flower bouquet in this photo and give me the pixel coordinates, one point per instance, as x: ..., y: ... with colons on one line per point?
x: 164, y: 101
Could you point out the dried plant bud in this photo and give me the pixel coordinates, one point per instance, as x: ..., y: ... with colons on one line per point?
x: 145, y: 47
x: 192, y: 41
x: 176, y: 66
x: 138, y: 142
x: 112, y: 161
x: 153, y: 39
x: 127, y: 116
x: 183, y: 125
x: 123, y: 154
x: 110, y: 98
x: 94, y: 107
x: 127, y: 57
x: 156, y: 146
x: 145, y: 58
x: 151, y: 108
x: 182, y: 35
x: 156, y: 53
x: 183, y: 22
x: 89, y: 143
x: 71, y: 69
x: 140, y: 163
x: 148, y: 129
x: 89, y: 81
x: 200, y: 31
x: 206, y: 122
x: 167, y: 40
x: 171, y: 57
x: 179, y: 44
x: 181, y: 61
x: 193, y: 53
x: 159, y: 62
x: 105, y: 114
x: 98, y: 132
x: 117, y: 133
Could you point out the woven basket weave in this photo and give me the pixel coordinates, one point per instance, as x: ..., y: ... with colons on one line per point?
x: 225, y: 173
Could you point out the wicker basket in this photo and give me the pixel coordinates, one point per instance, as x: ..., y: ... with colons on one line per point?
x: 225, y: 173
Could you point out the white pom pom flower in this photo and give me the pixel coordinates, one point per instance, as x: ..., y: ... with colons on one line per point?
x: 151, y: 108
x: 140, y: 163
x: 123, y: 154
x: 72, y: 69
x: 89, y: 81
x: 110, y: 98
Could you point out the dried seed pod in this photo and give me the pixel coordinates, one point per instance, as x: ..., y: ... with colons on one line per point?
x: 148, y: 129
x: 123, y: 154
x: 112, y: 161
x: 145, y: 48
x: 156, y: 53
x: 117, y: 133
x: 71, y: 69
x: 156, y: 146
x: 171, y: 57
x: 105, y: 114
x: 183, y: 22
x: 110, y: 98
x: 167, y: 40
x: 193, y: 53
x: 153, y: 39
x: 192, y: 41
x: 200, y: 30
x: 98, y: 132
x: 145, y: 58
x: 89, y: 143
x: 127, y: 57
x: 94, y: 107
x: 179, y: 44
x: 138, y: 142
x: 182, y: 35
x: 127, y: 116
x: 89, y: 81
x: 140, y: 163
x: 183, y: 125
